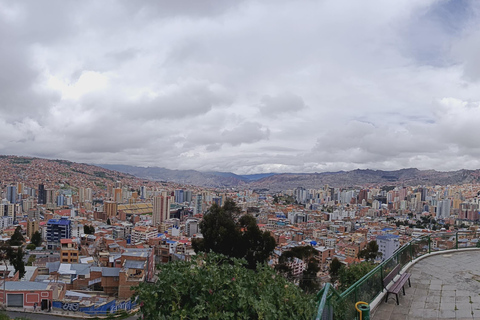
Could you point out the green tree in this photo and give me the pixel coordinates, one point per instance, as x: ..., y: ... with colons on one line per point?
x: 37, y: 239
x: 87, y: 229
x: 219, y: 230
x: 349, y: 275
x: 239, y: 239
x: 109, y: 222
x: 255, y: 246
x: 31, y: 260
x: 213, y: 286
x: 308, y: 280
x: 16, y: 260
x: 17, y: 238
x: 335, y: 267
x: 478, y: 244
x: 370, y: 253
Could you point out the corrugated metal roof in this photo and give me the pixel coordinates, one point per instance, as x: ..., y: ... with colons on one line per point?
x: 110, y: 272
x: 25, y: 285
x: 131, y: 264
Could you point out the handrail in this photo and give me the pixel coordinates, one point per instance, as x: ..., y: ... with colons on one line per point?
x: 325, y: 291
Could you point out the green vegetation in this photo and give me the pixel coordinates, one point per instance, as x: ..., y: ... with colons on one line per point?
x: 370, y: 253
x: 349, y: 275
x: 101, y: 185
x: 308, y: 280
x: 335, y: 267
x: 100, y: 174
x: 14, y: 256
x: 20, y: 161
x: 284, y: 199
x: 87, y: 229
x: 31, y: 246
x: 225, y: 233
x: 213, y: 286
x: 36, y: 239
x: 17, y: 238
x: 31, y: 260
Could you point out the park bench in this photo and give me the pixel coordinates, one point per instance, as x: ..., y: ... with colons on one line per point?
x: 398, y: 284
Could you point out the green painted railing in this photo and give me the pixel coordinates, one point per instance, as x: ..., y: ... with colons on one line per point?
x: 341, y: 306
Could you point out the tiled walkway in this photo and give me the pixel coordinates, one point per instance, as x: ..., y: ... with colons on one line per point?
x: 444, y: 286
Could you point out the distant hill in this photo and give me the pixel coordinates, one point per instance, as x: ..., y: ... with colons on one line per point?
x: 60, y: 174
x: 283, y: 181
x: 190, y: 177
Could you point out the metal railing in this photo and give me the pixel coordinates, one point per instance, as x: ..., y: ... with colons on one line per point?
x: 341, y: 306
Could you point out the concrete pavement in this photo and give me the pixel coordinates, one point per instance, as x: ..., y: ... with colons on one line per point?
x: 445, y: 286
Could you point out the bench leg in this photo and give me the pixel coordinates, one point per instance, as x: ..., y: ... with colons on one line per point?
x: 386, y: 299
x: 409, y: 284
x: 398, y: 303
x: 403, y: 288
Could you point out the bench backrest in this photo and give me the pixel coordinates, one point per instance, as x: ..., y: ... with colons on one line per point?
x: 389, y: 278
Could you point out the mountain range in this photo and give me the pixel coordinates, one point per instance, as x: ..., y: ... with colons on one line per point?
x: 284, y: 181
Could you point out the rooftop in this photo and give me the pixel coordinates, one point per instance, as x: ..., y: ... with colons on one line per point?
x: 444, y: 286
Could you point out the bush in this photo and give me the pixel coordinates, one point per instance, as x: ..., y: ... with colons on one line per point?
x: 214, y: 286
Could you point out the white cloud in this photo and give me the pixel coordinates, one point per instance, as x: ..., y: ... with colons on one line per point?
x: 242, y: 86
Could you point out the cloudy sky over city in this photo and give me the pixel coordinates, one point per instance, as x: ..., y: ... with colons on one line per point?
x: 244, y: 86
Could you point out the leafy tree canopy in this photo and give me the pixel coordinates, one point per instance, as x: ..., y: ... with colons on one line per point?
x: 308, y: 280
x: 225, y: 233
x: 349, y: 275
x: 335, y: 267
x: 37, y: 239
x: 88, y: 229
x: 370, y: 253
x: 17, y: 238
x: 213, y: 286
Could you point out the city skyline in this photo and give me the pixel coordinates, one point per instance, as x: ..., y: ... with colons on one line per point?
x: 243, y: 86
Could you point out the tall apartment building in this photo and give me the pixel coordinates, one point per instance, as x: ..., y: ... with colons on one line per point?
x: 58, y: 229
x: 12, y: 194
x: 41, y: 194
x: 110, y: 208
x: 161, y: 209
x: 32, y: 227
x: 387, y: 244
x: 191, y: 227
x: 118, y: 195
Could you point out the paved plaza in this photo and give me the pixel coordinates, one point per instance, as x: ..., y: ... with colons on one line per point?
x: 445, y: 286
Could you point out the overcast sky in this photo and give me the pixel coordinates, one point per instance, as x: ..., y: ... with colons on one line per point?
x: 243, y: 86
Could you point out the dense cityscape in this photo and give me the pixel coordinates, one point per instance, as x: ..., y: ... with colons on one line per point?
x: 104, y: 232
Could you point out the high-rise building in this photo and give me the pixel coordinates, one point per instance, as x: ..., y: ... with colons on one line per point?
x: 50, y: 198
x: 81, y: 195
x: 179, y: 196
x: 60, y: 200
x: 188, y: 196
x: 42, y: 197
x: 443, y: 208
x: 110, y: 208
x: 143, y: 192
x: 58, y: 229
x: 387, y: 244
x: 88, y: 194
x: 12, y: 194
x: 118, y: 195
x: 32, y: 227
x: 161, y: 209
x: 199, y: 204
x: 191, y: 227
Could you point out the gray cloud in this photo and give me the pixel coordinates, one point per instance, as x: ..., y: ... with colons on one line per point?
x: 282, y: 103
x: 246, y: 86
